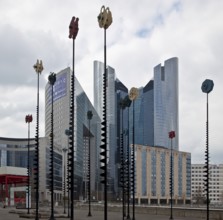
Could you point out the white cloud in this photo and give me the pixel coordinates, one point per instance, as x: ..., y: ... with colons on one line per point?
x: 142, y: 35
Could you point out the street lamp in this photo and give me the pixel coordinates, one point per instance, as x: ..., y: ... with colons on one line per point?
x: 28, y: 119
x: 64, y: 179
x: 207, y: 87
x: 89, y: 116
x: 171, y: 136
x: 52, y: 80
x: 38, y: 68
x: 133, y: 94
x: 104, y: 21
x: 73, y: 30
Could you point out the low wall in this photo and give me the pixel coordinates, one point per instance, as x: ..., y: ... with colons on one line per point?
x: 200, y: 213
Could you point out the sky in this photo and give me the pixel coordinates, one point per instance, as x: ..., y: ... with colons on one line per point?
x: 143, y: 34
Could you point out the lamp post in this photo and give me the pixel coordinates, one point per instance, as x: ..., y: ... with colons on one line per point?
x: 64, y: 179
x: 52, y: 80
x: 28, y: 119
x: 104, y: 20
x: 73, y: 30
x: 38, y: 68
x: 207, y: 87
x: 89, y: 116
x: 133, y: 94
x: 171, y: 136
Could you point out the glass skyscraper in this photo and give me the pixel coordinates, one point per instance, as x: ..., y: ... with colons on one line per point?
x: 115, y: 91
x: 166, y: 103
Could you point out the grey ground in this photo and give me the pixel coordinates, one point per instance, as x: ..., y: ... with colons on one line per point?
x: 6, y: 214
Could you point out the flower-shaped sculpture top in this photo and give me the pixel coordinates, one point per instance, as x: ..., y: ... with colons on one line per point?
x: 133, y: 94
x: 207, y: 86
x: 29, y: 118
x: 38, y: 66
x: 73, y: 28
x: 104, y: 18
x: 52, y: 78
x: 171, y: 134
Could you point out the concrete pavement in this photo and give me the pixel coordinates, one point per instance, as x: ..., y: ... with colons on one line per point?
x: 6, y: 214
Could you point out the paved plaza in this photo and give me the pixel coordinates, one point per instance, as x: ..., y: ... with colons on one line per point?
x: 6, y: 214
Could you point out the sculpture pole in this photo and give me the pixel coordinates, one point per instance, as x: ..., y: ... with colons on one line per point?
x: 52, y: 80
x: 28, y: 119
x: 89, y: 116
x: 73, y: 30
x: 207, y: 87
x: 38, y: 68
x: 132, y: 96
x: 171, y: 136
x: 104, y: 20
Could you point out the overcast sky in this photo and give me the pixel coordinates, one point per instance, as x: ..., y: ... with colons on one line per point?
x: 143, y: 34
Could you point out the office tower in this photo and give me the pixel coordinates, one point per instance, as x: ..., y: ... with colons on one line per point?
x: 148, y: 114
x: 166, y: 103
x: 114, y: 86
x: 61, y: 104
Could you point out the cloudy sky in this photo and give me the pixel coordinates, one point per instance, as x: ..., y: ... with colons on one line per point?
x: 143, y: 34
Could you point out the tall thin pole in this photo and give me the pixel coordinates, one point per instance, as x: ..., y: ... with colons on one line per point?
x: 105, y: 20
x: 171, y: 181
x: 207, y: 87
x: 207, y: 161
x: 171, y: 136
x: 64, y: 180
x: 38, y: 68
x: 133, y: 163
x: 133, y: 94
x: 73, y: 30
x: 89, y: 115
x: 28, y: 120
x: 128, y: 173
x: 28, y: 166
x: 52, y: 80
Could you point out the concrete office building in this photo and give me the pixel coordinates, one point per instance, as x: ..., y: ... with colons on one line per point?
x: 13, y: 155
x: 215, y: 183
x: 153, y: 175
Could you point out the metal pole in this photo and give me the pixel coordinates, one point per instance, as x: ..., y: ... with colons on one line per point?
x: 207, y: 161
x: 37, y: 153
x: 28, y: 165
x: 171, y: 182
x: 133, y: 162
x: 89, y: 167
x: 52, y: 80
x: 128, y: 173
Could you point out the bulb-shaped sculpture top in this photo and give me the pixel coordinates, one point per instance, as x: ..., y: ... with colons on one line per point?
x: 207, y: 86
x: 133, y: 94
x: 73, y: 28
x: 105, y: 17
x: 38, y: 66
x: 28, y: 118
x: 52, y: 78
